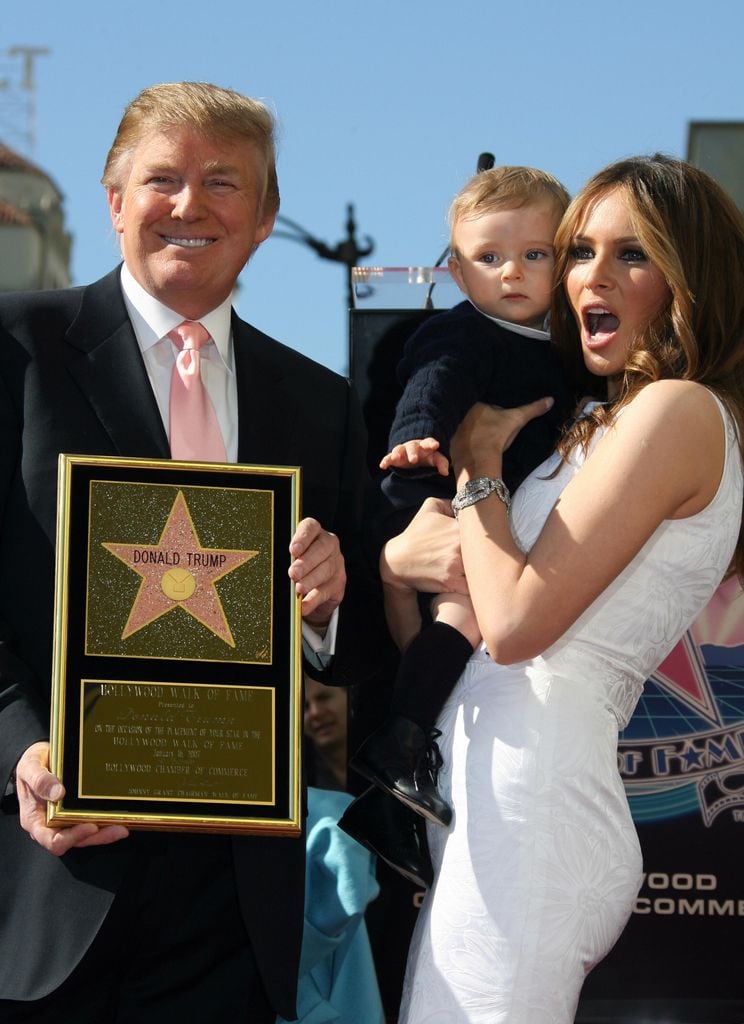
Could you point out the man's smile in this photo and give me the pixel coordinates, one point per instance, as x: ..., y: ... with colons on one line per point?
x: 188, y: 243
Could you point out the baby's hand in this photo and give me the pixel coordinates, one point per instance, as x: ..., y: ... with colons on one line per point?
x: 419, y: 452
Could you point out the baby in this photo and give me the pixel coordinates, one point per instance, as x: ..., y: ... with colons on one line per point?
x: 495, y: 347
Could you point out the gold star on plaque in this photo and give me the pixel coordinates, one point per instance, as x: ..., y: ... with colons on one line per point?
x: 178, y: 572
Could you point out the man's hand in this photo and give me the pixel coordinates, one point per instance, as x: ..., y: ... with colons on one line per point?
x: 418, y: 452
x: 35, y: 785
x: 317, y: 571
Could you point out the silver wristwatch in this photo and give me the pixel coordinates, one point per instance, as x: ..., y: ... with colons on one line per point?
x: 476, y: 490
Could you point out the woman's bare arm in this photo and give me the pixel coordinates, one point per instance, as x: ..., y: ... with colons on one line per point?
x: 662, y: 459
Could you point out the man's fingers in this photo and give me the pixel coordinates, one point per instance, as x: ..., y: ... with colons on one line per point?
x: 58, y: 841
x: 322, y: 590
x: 35, y: 784
x: 98, y: 836
x: 315, y: 600
x: 326, y: 582
x: 323, y: 548
x: 307, y: 532
x: 318, y: 571
x: 43, y: 784
x: 32, y: 772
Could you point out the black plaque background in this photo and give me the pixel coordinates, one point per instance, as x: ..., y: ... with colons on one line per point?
x: 75, y: 665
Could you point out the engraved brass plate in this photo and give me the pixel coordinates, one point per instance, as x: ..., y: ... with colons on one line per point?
x: 154, y: 741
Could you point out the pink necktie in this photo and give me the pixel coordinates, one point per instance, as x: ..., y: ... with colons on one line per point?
x: 194, y: 430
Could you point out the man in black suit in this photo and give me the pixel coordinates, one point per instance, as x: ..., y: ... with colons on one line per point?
x: 97, y: 925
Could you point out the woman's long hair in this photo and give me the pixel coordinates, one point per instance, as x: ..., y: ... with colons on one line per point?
x: 693, y: 233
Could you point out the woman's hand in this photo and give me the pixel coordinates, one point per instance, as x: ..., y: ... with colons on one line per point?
x: 486, y: 433
x: 426, y: 556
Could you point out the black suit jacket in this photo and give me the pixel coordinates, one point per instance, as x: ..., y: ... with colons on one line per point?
x: 72, y: 379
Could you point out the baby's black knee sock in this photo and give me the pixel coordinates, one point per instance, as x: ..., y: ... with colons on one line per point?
x: 428, y: 671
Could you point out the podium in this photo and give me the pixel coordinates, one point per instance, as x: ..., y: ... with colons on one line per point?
x: 389, y: 304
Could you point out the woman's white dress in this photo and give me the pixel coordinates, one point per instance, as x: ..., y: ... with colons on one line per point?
x: 536, y: 876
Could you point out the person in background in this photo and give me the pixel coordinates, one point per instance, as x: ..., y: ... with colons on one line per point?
x: 326, y: 728
x: 97, y: 925
x: 607, y: 554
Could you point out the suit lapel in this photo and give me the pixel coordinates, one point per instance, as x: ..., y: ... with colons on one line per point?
x: 105, y: 360
x: 266, y: 409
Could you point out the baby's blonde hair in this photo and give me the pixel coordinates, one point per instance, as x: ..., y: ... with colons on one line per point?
x: 504, y: 188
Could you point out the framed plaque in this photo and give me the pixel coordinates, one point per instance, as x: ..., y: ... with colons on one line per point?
x: 176, y: 698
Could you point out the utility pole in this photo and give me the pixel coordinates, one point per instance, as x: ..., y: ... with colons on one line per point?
x: 18, y: 91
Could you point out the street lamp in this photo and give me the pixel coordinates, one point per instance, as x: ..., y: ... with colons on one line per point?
x: 347, y: 251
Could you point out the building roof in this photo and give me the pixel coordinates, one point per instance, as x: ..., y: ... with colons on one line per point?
x: 11, y: 160
x: 11, y: 215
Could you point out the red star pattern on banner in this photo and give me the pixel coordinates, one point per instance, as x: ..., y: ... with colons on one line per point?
x: 683, y: 675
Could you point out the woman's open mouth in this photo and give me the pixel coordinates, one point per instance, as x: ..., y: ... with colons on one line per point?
x: 600, y: 325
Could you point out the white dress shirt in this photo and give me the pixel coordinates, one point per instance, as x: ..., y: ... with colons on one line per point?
x: 539, y: 333
x: 151, y: 322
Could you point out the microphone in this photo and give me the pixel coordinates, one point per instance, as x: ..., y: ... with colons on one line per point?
x: 485, y: 163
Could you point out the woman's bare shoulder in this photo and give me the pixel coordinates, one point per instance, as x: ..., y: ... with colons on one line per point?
x: 673, y: 392
x: 674, y: 429
x: 671, y: 408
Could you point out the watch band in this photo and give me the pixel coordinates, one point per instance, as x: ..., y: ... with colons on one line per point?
x: 476, y: 490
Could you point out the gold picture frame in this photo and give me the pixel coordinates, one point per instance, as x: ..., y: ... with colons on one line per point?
x: 176, y: 691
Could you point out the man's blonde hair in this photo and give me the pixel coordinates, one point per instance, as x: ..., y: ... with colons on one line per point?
x: 208, y: 109
x: 504, y: 188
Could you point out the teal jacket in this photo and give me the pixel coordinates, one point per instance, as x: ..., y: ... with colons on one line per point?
x: 337, y: 982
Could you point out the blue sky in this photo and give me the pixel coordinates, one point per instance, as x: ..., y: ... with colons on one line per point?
x: 384, y: 104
